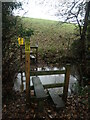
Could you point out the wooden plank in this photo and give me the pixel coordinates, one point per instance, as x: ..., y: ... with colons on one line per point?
x: 38, y: 87
x: 56, y: 99
x: 35, y: 73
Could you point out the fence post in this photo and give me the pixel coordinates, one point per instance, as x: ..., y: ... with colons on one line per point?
x: 27, y: 76
x: 21, y: 53
x: 66, y: 82
x: 37, y: 54
x: 22, y: 86
x: 21, y: 64
x: 27, y: 65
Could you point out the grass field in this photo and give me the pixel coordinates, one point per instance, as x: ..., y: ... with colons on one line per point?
x: 50, y: 35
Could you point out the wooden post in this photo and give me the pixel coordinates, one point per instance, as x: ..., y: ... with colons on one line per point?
x: 21, y: 53
x: 27, y: 54
x: 27, y: 76
x: 66, y: 83
x: 22, y: 86
x: 21, y: 67
x: 37, y: 54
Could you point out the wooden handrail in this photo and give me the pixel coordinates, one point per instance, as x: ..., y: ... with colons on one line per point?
x: 35, y: 73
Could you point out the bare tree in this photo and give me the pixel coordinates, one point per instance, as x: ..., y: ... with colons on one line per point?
x: 72, y: 11
x: 77, y: 11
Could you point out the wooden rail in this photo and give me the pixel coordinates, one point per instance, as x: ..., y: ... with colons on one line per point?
x: 35, y: 73
x: 46, y: 86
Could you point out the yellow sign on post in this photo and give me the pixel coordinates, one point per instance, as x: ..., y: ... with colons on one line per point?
x: 20, y: 41
x: 27, y: 46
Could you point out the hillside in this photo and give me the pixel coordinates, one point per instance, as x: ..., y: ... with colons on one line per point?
x: 50, y: 35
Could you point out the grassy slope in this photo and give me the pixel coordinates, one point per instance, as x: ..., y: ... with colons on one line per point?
x: 50, y: 35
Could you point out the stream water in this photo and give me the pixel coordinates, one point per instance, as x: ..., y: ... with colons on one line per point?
x: 20, y: 85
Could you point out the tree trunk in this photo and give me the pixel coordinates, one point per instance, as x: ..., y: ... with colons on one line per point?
x: 83, y: 39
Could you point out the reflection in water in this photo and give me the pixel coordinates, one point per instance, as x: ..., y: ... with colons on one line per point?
x: 20, y: 82
x: 19, y: 85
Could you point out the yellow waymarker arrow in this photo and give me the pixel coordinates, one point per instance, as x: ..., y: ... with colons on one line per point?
x: 27, y: 46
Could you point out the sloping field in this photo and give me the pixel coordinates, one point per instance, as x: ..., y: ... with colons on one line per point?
x: 50, y: 35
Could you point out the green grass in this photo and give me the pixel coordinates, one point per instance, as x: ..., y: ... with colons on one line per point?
x: 50, y: 35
